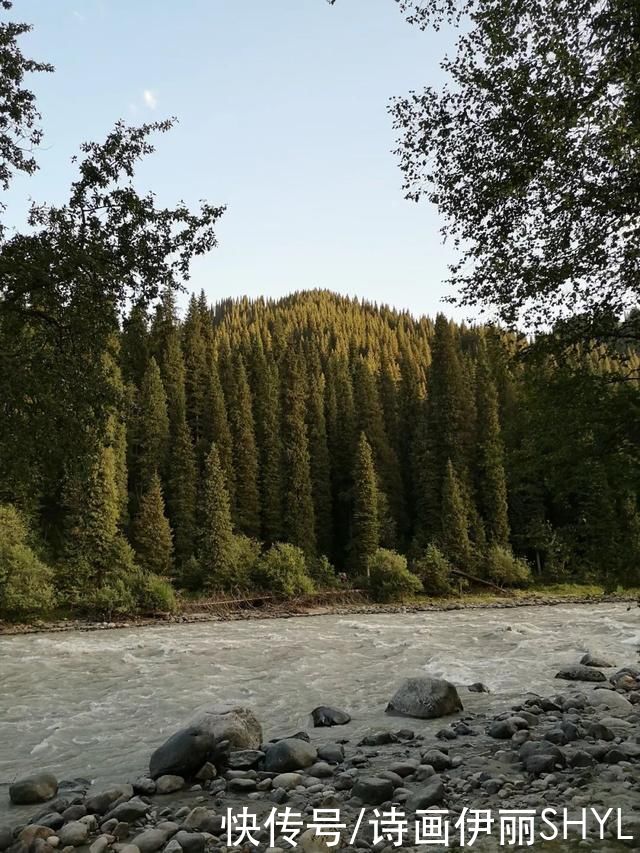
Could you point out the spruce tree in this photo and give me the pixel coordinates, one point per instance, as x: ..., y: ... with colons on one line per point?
x: 266, y: 407
x: 216, y: 540
x: 135, y: 347
x: 319, y: 461
x: 447, y: 433
x: 151, y: 532
x: 454, y: 534
x: 151, y: 429
x: 182, y: 493
x: 365, y: 525
x: 299, y: 513
x: 216, y: 421
x: 245, y: 455
x: 195, y: 360
x: 491, y: 483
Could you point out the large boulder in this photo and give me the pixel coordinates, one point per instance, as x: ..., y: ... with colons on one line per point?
x: 33, y: 789
x: 580, y: 672
x: 323, y: 715
x: 289, y: 754
x: 425, y: 698
x: 233, y: 723
x: 183, y: 754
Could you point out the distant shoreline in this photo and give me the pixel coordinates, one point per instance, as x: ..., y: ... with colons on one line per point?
x: 292, y: 609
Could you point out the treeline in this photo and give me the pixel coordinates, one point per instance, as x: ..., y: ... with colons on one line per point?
x: 264, y: 444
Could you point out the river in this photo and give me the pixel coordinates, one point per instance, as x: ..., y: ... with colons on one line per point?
x: 96, y: 704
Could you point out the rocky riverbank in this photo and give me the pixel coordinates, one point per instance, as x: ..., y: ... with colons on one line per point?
x: 577, y: 750
x: 350, y: 605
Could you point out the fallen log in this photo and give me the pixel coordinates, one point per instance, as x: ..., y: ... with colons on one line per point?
x: 473, y: 579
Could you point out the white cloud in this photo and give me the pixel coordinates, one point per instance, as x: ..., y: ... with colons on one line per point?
x: 150, y: 99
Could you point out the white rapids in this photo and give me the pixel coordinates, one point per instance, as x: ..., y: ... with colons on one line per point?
x: 96, y: 704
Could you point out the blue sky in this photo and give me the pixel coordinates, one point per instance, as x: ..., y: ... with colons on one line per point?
x: 282, y: 116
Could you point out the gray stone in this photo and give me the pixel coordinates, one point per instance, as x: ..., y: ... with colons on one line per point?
x: 145, y: 786
x: 324, y: 715
x: 431, y: 795
x: 320, y: 770
x: 437, y: 759
x: 6, y: 837
x: 191, y: 842
x: 100, y: 844
x: 287, y: 781
x: 425, y: 698
x: 333, y: 753
x: 201, y: 819
x: 169, y: 784
x: 238, y: 725
x: 131, y: 811
x: 183, y: 754
x: 578, y: 672
x: 478, y: 687
x: 101, y: 801
x: 595, y: 660
x: 245, y: 759
x: 150, y: 840
x: 289, y: 754
x: 373, y: 790
x: 73, y: 834
x: 502, y: 729
x: 33, y: 789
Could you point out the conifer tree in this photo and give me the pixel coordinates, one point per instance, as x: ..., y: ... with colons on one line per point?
x: 447, y: 433
x: 151, y: 532
x: 182, y: 493
x: 245, y: 455
x: 365, y: 526
x: 135, y: 347
x: 454, y: 535
x: 319, y: 462
x: 266, y: 407
x: 216, y: 421
x: 341, y: 438
x: 216, y: 541
x: 195, y: 360
x: 490, y: 478
x: 299, y: 513
x: 151, y: 429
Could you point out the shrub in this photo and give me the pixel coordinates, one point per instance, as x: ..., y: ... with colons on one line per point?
x: 323, y: 573
x: 25, y: 581
x: 115, y: 596
x: 246, y: 553
x: 434, y: 570
x: 155, y: 594
x: 389, y: 577
x: 189, y: 575
x: 506, y: 569
x: 283, y: 571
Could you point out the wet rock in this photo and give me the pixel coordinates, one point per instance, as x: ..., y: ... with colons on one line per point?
x: 324, y: 715
x: 190, y: 842
x: 202, y: 819
x: 129, y: 812
x: 287, y: 781
x: 245, y: 759
x: 373, y: 790
x: 6, y: 837
x: 101, y: 801
x: 381, y: 738
x: 579, y: 672
x: 437, y: 759
x: 183, y: 754
x: 54, y: 820
x: 502, y: 729
x: 289, y: 754
x: 333, y: 753
x: 320, y: 770
x: 540, y: 757
x: 432, y: 794
x: 30, y: 833
x: 145, y: 786
x: 33, y: 789
x: 233, y: 723
x: 207, y: 772
x: 74, y: 812
x: 150, y: 840
x: 101, y: 844
x: 425, y: 698
x: 478, y: 687
x: 73, y: 834
x: 595, y: 660
x: 169, y: 784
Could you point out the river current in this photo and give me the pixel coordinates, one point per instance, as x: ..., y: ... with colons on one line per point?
x: 96, y: 704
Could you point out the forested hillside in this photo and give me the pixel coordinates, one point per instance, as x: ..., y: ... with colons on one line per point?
x: 336, y: 427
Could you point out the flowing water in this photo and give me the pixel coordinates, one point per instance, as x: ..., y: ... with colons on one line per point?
x: 97, y: 704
